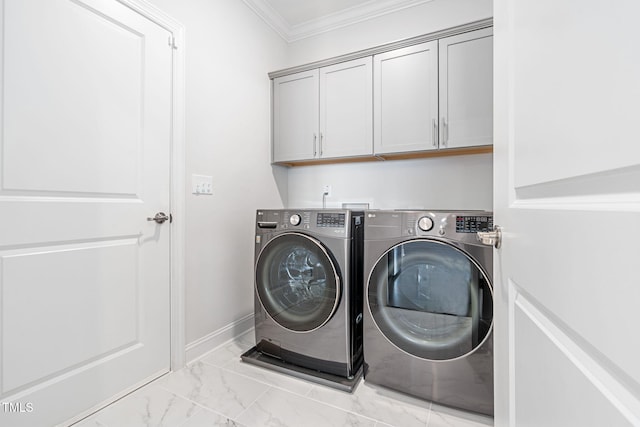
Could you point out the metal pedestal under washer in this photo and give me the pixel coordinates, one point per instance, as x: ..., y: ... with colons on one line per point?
x: 308, y: 294
x: 429, y: 306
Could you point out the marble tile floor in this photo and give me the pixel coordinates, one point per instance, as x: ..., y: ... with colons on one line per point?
x: 220, y: 390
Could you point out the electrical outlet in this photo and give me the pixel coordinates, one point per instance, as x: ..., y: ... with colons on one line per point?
x: 326, y: 189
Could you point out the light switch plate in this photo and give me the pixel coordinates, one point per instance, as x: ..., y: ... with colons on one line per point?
x: 202, y: 184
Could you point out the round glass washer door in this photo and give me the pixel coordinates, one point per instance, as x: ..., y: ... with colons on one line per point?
x: 297, y: 282
x: 430, y: 299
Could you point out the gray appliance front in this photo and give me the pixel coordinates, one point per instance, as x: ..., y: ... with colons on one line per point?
x: 301, y: 294
x: 428, y: 321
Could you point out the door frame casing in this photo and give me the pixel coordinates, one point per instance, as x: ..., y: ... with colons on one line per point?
x: 177, y: 175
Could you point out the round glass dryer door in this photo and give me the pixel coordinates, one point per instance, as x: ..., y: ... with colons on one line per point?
x: 430, y: 300
x: 297, y: 282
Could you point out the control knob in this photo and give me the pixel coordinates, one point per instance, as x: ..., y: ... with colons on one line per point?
x: 425, y: 223
x: 295, y: 219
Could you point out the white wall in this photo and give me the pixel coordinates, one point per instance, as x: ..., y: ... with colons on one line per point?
x: 229, y: 52
x: 460, y: 182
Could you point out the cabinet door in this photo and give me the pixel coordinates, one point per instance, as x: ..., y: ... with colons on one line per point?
x: 295, y: 116
x: 466, y: 89
x: 346, y: 109
x: 406, y: 99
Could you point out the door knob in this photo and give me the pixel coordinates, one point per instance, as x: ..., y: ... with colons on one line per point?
x: 490, y: 238
x: 160, y: 218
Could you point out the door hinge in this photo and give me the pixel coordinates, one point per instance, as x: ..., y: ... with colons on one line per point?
x: 172, y: 42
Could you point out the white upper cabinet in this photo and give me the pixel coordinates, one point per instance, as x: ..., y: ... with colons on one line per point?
x: 295, y: 116
x: 466, y: 89
x: 406, y: 99
x: 395, y: 103
x: 346, y: 109
x: 324, y: 113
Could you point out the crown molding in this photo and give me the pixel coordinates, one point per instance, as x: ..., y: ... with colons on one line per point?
x: 344, y: 18
x: 399, y: 44
x: 269, y: 15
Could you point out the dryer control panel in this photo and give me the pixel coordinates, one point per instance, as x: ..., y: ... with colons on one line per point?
x: 473, y: 224
x: 458, y: 225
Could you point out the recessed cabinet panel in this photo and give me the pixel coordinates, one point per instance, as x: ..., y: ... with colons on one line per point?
x: 346, y: 109
x: 466, y: 89
x: 295, y: 116
x: 406, y: 99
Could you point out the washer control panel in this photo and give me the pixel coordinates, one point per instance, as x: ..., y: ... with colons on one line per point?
x: 330, y: 219
x: 473, y: 224
x: 329, y: 223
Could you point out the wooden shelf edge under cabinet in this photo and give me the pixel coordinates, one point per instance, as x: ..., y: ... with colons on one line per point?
x: 397, y: 156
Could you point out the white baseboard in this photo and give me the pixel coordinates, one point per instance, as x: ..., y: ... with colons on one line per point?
x: 194, y: 350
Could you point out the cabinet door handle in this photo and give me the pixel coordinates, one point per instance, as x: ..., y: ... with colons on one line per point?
x: 320, y: 144
x: 445, y: 131
x: 434, y: 132
x: 315, y: 137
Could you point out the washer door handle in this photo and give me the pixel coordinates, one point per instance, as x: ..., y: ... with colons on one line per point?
x: 491, y: 238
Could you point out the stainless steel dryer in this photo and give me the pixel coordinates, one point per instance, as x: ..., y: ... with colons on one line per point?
x: 308, y: 289
x: 429, y: 306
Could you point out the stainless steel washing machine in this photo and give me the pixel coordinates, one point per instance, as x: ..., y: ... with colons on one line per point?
x: 308, y: 289
x: 429, y: 306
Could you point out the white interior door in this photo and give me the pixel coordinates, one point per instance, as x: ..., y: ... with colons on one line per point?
x: 567, y: 193
x: 84, y: 277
